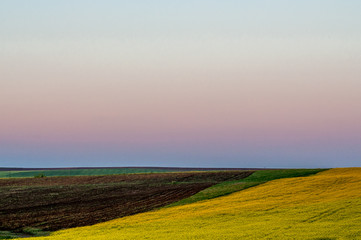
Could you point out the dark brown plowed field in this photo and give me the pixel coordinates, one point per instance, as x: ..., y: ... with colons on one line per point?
x: 53, y: 203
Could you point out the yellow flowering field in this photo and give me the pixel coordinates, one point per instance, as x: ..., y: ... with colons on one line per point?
x: 323, y: 206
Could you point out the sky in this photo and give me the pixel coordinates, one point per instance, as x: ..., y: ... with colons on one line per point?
x: 196, y: 83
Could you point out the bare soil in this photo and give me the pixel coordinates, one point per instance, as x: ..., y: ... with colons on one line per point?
x: 53, y: 203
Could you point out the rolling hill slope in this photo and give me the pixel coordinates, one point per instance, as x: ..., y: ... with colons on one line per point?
x: 323, y: 206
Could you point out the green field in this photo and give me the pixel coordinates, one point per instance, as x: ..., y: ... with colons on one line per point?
x: 81, y: 172
x: 255, y: 179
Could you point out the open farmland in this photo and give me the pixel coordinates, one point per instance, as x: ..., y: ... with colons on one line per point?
x: 94, y: 171
x: 324, y: 206
x: 53, y: 203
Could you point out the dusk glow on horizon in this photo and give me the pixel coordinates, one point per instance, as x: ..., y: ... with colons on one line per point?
x: 180, y: 83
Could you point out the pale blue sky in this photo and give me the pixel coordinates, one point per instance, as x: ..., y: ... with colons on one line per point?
x: 180, y: 83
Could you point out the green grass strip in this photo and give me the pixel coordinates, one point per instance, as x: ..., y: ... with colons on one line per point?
x: 255, y: 179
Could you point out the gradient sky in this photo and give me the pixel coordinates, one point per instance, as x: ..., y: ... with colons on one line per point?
x: 198, y: 83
